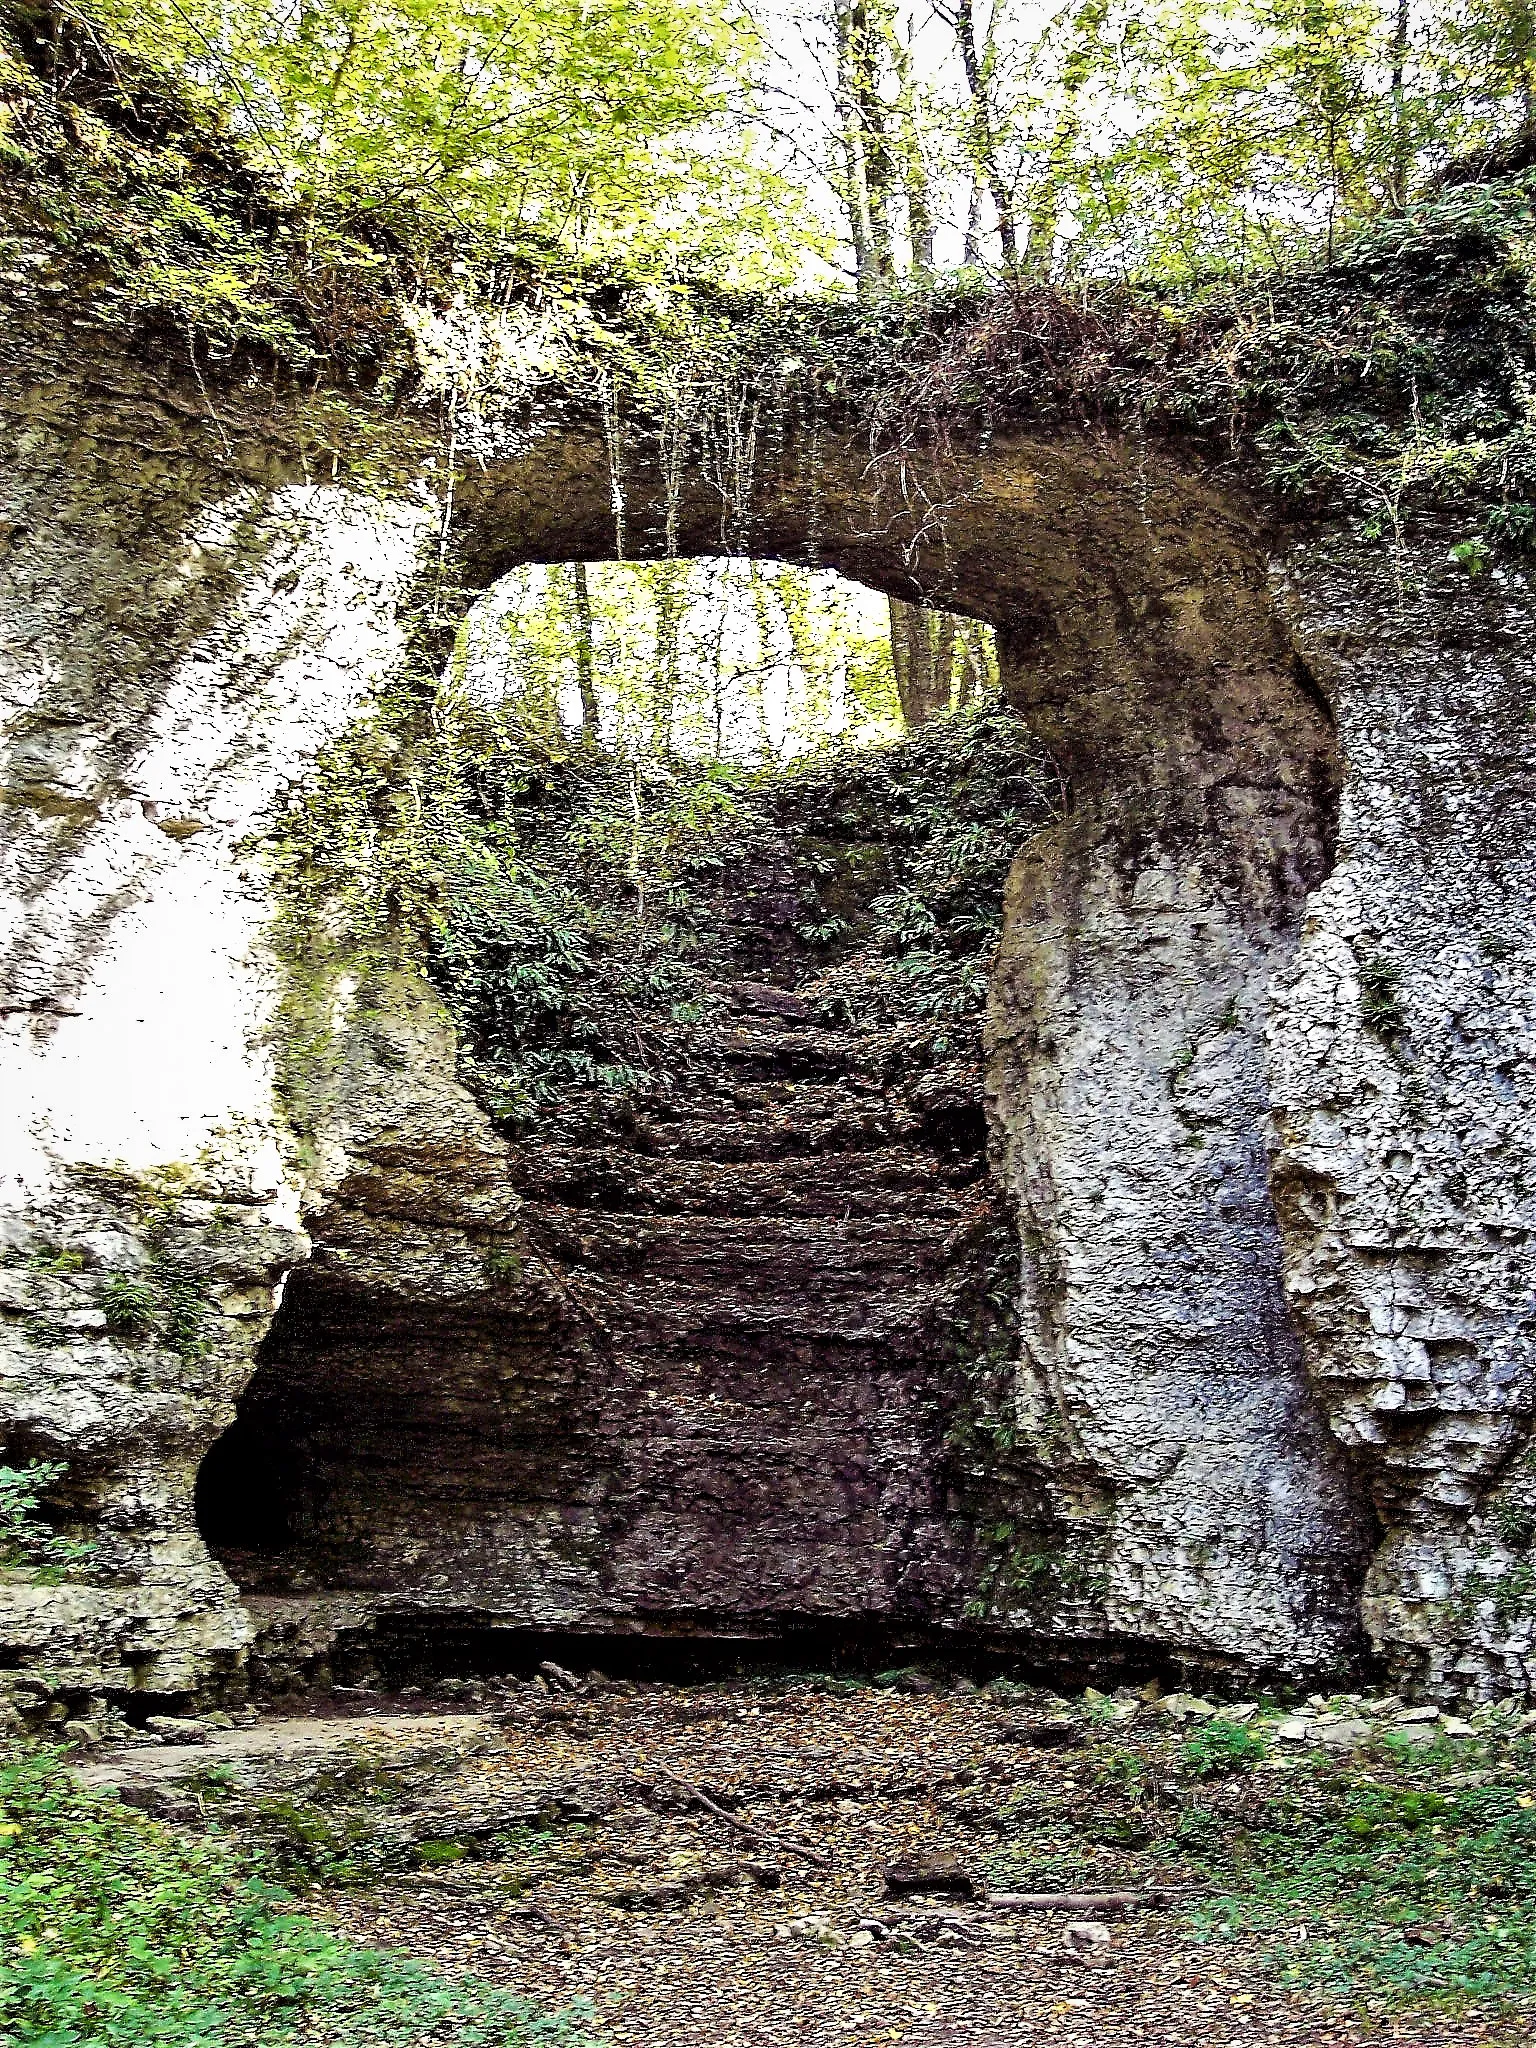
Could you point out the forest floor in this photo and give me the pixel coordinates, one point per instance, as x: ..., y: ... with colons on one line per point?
x: 815, y: 1861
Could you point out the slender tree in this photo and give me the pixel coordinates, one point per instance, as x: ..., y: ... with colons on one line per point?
x: 868, y: 162
x: 977, y: 62
x: 911, y: 147
x: 581, y: 604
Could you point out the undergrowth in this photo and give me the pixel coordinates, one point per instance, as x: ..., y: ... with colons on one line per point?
x: 1399, y: 1876
x: 583, y: 914
x: 597, y: 909
x: 118, y: 1931
x: 1401, y: 1881
x: 26, y: 1539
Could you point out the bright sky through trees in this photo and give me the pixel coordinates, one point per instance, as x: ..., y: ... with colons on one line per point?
x: 1141, y: 138
x: 746, y: 661
x: 695, y: 137
x: 506, y: 161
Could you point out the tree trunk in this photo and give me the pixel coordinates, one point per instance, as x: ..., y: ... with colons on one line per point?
x: 878, y: 167
x: 914, y: 163
x: 922, y: 655
x: 964, y: 24
x: 758, y: 584
x: 971, y: 252
x: 866, y: 147
x: 585, y: 679
x: 901, y: 663
x: 944, y: 624
x: 1397, y: 186
x: 669, y: 611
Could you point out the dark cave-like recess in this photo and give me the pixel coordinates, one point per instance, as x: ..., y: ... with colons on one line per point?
x: 717, y: 1389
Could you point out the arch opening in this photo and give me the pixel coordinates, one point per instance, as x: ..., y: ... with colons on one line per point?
x: 726, y: 659
x: 811, y: 1310
x: 695, y: 1360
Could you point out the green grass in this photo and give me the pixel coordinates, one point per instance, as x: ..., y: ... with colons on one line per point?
x: 1409, y: 1881
x: 1398, y: 1877
x: 119, y: 1931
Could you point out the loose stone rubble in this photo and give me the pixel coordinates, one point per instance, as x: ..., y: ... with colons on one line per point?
x: 590, y: 1842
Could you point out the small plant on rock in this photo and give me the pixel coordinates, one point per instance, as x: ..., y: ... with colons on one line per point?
x: 25, y: 1538
x: 1219, y: 1749
x: 1380, y: 1001
x: 129, y: 1306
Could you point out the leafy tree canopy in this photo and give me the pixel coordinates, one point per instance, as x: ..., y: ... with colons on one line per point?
x: 562, y: 131
x: 1161, y: 140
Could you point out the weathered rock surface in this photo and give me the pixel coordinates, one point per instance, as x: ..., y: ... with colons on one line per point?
x: 1220, y: 1389
x: 1403, y: 1062
x: 694, y: 1373
x: 181, y: 626
x: 1128, y: 1087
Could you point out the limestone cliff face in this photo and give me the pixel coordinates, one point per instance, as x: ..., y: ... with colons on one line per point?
x: 182, y: 623
x: 1255, y: 1151
x: 1402, y: 1047
x: 1129, y: 1092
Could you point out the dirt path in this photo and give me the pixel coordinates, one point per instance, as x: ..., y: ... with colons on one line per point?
x: 609, y: 1880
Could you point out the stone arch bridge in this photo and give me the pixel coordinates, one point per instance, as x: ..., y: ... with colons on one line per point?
x: 1257, y: 1081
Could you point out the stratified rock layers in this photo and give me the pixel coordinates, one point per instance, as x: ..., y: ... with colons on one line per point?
x: 1403, y: 1063
x: 712, y: 1372
x: 703, y: 1381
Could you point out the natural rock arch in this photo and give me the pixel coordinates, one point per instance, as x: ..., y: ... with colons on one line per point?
x: 1202, y: 703
x: 1125, y: 1069
x: 1161, y: 1373
x: 1288, y: 761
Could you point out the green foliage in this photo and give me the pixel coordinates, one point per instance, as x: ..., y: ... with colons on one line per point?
x: 118, y: 1931
x: 25, y: 1538
x: 949, y: 807
x: 1380, y: 998
x: 186, y: 1315
x: 161, y: 1302
x: 1401, y: 1882
x: 544, y: 130
x: 1111, y: 137
x: 116, y: 172
x: 130, y: 1306
x: 56, y: 1260
x: 1408, y: 1888
x: 578, y: 908
x: 431, y: 1854
x: 1395, y: 374
x: 1219, y: 1748
x: 594, y: 903
x: 1510, y: 1593
x: 1515, y: 1519
x: 566, y: 941
x: 746, y: 661
x: 339, y: 1834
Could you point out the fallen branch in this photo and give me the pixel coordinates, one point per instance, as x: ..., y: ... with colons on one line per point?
x: 747, y: 1827
x: 1072, y: 1902
x: 922, y: 1916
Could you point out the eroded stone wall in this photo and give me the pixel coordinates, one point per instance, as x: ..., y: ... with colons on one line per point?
x: 1403, y: 1068
x: 1129, y: 1091
x: 185, y: 621
x: 691, y: 1369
